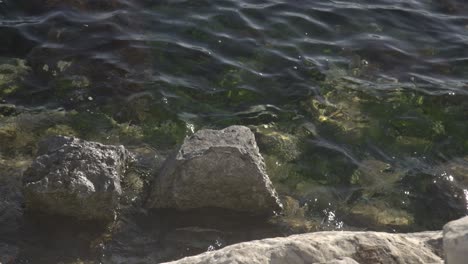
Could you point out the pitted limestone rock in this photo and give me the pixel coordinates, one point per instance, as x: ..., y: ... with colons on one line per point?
x: 76, y: 178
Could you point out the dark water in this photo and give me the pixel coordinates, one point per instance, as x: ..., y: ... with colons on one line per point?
x: 360, y: 107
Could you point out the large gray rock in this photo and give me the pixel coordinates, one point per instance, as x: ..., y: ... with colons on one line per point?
x: 456, y: 241
x: 327, y: 247
x: 216, y: 168
x: 77, y: 178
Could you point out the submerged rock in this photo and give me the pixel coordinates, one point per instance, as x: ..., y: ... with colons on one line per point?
x: 274, y: 142
x: 77, y: 178
x: 216, y: 168
x: 456, y: 241
x: 434, y: 198
x: 456, y: 169
x: 379, y: 216
x: 328, y: 247
x: 12, y: 73
x: 375, y: 174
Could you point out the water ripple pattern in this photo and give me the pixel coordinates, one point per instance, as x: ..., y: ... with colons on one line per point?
x: 374, y: 92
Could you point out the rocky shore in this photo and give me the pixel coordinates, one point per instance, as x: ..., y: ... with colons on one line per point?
x: 330, y: 247
x: 349, y: 248
x: 215, y: 174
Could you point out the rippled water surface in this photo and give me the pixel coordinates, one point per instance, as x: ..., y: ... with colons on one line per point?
x: 360, y: 107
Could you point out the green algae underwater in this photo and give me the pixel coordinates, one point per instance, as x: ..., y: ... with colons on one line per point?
x: 359, y: 129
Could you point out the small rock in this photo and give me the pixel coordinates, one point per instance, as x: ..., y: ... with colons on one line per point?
x: 282, y: 145
x: 216, y: 168
x: 77, y: 178
x: 456, y: 241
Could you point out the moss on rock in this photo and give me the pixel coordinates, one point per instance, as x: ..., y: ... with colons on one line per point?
x: 379, y: 216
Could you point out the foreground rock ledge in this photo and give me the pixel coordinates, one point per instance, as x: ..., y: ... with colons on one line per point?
x: 78, y: 178
x: 330, y: 247
x: 456, y: 241
x: 216, y: 168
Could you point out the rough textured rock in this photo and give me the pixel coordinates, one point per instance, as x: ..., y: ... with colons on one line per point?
x: 216, y: 168
x: 456, y: 241
x: 328, y: 247
x: 77, y: 178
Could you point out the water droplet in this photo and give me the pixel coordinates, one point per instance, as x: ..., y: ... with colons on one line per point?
x: 191, y: 127
x: 211, y: 248
x: 218, y: 243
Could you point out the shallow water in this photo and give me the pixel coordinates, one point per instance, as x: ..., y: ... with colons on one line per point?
x: 360, y: 107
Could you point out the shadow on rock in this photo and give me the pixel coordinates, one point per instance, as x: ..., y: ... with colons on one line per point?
x: 168, y: 234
